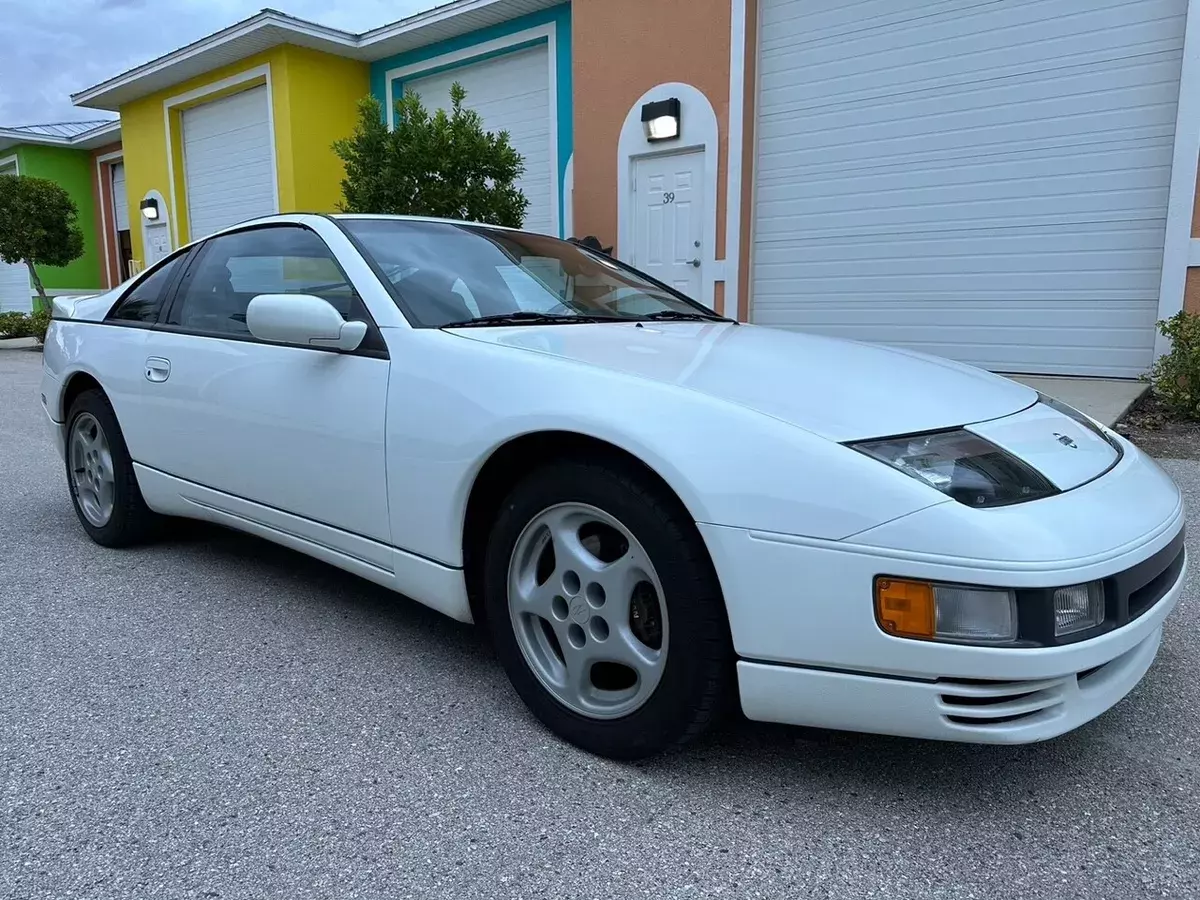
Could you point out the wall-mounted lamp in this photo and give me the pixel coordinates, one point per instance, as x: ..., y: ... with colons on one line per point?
x: 661, y: 120
x: 149, y: 209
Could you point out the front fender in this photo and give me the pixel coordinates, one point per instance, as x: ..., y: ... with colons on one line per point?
x: 452, y: 403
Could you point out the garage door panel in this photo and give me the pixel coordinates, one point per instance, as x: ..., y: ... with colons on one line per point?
x: 1099, y: 239
x: 1130, y: 98
x: 511, y: 93
x: 985, y: 180
x: 228, y: 161
x: 781, y: 220
x: 972, y: 39
x: 1042, y: 174
x: 991, y: 310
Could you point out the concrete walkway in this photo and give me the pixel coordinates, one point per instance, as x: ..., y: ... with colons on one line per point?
x: 1104, y: 399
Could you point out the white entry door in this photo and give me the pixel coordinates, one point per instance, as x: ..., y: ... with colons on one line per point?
x: 668, y: 212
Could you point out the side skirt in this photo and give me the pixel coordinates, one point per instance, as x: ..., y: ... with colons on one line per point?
x: 434, y: 584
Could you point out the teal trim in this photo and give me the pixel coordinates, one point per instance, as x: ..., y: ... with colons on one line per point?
x: 560, y: 16
x: 398, y: 83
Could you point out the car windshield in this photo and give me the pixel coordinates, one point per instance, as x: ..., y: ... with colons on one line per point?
x: 449, y: 274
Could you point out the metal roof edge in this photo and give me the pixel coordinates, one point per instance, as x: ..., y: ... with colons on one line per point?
x: 355, y: 46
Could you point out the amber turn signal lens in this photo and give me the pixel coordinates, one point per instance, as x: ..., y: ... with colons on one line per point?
x: 905, y: 608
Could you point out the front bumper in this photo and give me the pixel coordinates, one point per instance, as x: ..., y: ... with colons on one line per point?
x: 802, y: 616
x: 986, y: 712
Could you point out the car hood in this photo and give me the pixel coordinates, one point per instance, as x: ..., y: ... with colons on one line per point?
x: 841, y: 390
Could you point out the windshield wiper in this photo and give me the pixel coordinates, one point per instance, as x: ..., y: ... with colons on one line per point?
x: 679, y: 316
x: 525, y: 317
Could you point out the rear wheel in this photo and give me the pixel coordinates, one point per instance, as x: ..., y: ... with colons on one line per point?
x: 104, y: 489
x: 605, y: 610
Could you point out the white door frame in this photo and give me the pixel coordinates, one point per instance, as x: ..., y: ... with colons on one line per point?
x: 109, y: 222
x: 698, y: 132
x: 250, y: 78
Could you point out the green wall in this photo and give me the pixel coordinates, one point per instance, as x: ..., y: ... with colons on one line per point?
x: 72, y: 170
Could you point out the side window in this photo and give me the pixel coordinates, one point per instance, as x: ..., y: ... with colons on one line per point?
x: 144, y: 302
x: 234, y: 268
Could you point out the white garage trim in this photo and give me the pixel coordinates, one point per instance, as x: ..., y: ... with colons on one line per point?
x: 105, y: 220
x: 698, y: 131
x: 735, y: 138
x: 1178, y: 249
x: 189, y: 99
x: 479, y: 53
x: 568, y: 201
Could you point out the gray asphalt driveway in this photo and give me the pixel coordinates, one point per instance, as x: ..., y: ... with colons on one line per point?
x: 213, y: 716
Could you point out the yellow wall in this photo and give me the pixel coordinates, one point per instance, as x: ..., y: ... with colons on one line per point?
x: 324, y: 91
x: 313, y: 96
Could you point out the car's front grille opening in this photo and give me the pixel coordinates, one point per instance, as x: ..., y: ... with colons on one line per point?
x: 994, y: 720
x: 986, y: 704
x: 954, y: 700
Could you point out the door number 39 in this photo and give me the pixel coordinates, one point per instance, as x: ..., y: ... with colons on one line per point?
x: 669, y: 197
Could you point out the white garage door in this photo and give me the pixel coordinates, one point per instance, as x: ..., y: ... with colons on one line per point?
x: 16, y: 294
x: 511, y: 93
x: 981, y: 180
x: 120, y: 201
x: 227, y: 162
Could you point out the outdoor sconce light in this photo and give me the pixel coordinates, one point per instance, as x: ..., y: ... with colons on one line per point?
x: 150, y: 209
x: 661, y: 120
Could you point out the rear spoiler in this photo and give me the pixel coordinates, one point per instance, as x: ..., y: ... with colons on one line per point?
x: 64, y: 307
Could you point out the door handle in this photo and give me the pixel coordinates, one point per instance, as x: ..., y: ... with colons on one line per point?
x: 695, y: 263
x: 158, y: 369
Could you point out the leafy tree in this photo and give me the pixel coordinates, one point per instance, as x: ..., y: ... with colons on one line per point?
x: 38, y: 226
x: 444, y: 164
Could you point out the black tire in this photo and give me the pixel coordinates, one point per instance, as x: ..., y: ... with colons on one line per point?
x: 698, y: 678
x: 131, y: 521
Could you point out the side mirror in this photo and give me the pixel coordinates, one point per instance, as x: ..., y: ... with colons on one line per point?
x: 302, y: 319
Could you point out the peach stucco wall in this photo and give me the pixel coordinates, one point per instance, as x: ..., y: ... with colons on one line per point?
x: 621, y: 49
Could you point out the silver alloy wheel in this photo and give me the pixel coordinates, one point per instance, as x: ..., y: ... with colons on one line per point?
x: 587, y: 608
x: 92, y: 475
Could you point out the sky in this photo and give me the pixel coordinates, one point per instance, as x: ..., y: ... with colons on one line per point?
x: 50, y: 49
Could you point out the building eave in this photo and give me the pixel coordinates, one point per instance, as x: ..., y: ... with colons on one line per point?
x: 270, y: 28
x: 101, y: 135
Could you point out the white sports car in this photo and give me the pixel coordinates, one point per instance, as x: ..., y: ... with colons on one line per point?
x: 657, y: 512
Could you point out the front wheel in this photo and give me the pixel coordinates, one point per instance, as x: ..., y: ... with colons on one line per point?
x: 605, y: 610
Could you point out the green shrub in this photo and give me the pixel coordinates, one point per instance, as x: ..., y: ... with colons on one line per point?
x: 37, y: 323
x: 13, y: 324
x: 22, y: 325
x: 442, y: 163
x: 1175, y: 376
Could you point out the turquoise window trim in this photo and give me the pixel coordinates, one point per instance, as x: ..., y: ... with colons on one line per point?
x: 559, y: 16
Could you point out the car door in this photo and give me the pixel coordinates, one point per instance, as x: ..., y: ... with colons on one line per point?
x: 118, y: 352
x: 297, y: 429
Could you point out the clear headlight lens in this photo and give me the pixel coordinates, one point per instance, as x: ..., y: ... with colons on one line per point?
x: 951, y: 612
x: 963, y: 466
x: 1078, y: 607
